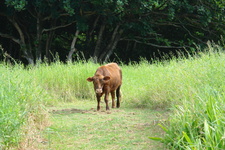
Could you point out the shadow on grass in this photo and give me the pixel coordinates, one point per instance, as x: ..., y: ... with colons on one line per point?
x: 93, y: 111
x: 68, y: 111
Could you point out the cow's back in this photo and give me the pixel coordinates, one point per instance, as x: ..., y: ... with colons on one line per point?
x: 113, y: 71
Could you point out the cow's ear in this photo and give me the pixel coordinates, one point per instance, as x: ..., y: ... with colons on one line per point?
x: 106, y: 78
x: 90, y: 79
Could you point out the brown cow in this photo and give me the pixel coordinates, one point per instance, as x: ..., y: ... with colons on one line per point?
x: 107, y: 79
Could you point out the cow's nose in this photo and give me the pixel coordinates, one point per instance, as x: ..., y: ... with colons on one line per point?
x: 98, y: 91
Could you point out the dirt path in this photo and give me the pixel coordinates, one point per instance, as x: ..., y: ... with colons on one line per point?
x: 80, y: 126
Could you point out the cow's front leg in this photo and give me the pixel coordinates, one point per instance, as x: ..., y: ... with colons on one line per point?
x: 107, y: 100
x: 98, y: 101
x: 113, y: 99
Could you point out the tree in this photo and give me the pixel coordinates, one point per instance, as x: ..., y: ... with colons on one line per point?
x: 33, y: 20
x: 100, y: 28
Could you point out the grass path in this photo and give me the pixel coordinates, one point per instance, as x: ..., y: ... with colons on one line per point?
x: 79, y: 126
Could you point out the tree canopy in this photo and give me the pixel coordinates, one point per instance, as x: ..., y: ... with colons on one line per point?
x: 35, y: 30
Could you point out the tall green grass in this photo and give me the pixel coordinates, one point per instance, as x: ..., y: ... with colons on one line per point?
x: 66, y: 82
x: 192, y: 88
x: 20, y: 97
x: 197, y: 121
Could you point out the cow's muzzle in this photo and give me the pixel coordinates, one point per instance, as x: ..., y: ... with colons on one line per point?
x: 98, y: 91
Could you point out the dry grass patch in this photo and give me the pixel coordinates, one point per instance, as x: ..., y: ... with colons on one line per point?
x: 32, y: 130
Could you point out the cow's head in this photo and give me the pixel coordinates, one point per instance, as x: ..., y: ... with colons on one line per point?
x: 98, y: 82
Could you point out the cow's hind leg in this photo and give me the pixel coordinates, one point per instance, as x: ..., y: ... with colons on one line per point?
x: 113, y: 99
x: 118, y: 96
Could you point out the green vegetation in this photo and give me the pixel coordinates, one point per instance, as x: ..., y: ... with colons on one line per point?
x: 197, y: 92
x: 191, y: 89
x: 34, y: 31
x: 21, y: 98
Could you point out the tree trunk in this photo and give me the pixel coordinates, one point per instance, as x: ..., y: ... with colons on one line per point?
x: 50, y: 36
x: 112, y: 44
x: 98, y: 43
x: 73, y: 48
x: 89, y: 34
x: 39, y: 39
x: 111, y: 49
x: 27, y: 52
x: 29, y: 57
x: 94, y: 26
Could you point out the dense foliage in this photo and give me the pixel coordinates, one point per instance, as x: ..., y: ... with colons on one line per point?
x: 198, y: 118
x: 32, y: 30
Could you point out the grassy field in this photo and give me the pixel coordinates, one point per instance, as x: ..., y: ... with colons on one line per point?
x: 79, y: 126
x: 53, y: 106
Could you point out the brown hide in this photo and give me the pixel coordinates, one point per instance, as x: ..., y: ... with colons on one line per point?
x: 107, y: 79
